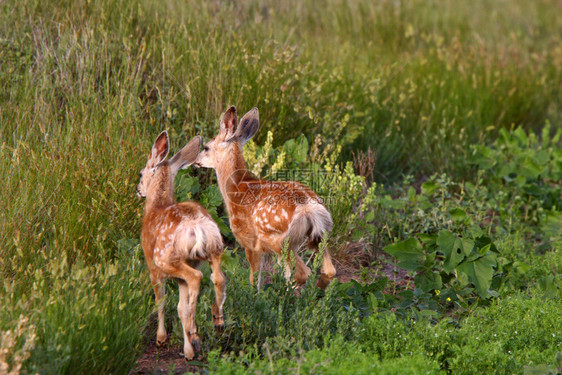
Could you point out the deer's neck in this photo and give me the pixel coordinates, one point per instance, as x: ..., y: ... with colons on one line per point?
x: 161, y: 190
x: 231, y: 174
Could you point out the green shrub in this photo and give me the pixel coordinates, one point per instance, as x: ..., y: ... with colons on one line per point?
x: 339, y: 357
x: 529, y: 170
x: 512, y: 333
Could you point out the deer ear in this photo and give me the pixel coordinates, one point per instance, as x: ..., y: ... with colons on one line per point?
x: 186, y: 156
x: 160, y: 148
x: 229, y: 122
x: 248, y: 126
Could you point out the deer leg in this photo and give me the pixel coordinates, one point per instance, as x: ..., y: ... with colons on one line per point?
x: 159, y: 291
x: 255, y: 259
x: 183, y: 312
x: 302, y: 272
x: 218, y: 279
x: 190, y: 281
x: 327, y: 272
x: 194, y: 284
x: 260, y: 271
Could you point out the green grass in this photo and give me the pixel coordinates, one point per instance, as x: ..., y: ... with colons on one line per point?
x: 486, y: 342
x: 86, y: 86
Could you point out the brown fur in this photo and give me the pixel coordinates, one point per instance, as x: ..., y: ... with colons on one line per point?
x: 264, y: 214
x: 175, y: 238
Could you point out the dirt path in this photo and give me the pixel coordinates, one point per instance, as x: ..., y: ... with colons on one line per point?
x: 164, y: 360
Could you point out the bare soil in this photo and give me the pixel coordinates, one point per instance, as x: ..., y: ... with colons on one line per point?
x: 163, y: 360
x: 166, y: 359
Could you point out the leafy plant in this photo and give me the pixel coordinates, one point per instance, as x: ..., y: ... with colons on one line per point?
x: 445, y: 261
x: 529, y: 168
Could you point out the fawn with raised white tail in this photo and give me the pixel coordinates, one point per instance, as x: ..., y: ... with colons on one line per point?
x: 265, y: 214
x: 176, y: 237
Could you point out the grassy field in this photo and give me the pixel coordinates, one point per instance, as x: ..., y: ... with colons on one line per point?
x: 436, y: 125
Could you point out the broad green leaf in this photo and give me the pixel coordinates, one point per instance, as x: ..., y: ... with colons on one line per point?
x: 454, y: 248
x: 482, y: 156
x: 428, y: 281
x: 429, y: 260
x: 476, y: 231
x: 521, y: 135
x: 406, y: 252
x: 457, y: 214
x: 186, y: 186
x: 531, y: 168
x: 410, y: 265
x: 507, y: 170
x: 446, y: 241
x: 428, y: 239
x: 452, y: 261
x: 542, y: 157
x: 211, y: 197
x: 429, y: 187
x: 479, y: 273
x: 466, y: 245
x: 483, y: 241
x: 521, y: 267
x: 462, y: 278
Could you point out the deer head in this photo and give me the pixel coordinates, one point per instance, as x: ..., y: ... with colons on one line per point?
x: 232, y: 136
x: 159, y: 172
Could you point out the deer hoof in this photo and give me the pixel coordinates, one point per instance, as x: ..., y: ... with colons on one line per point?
x: 196, y: 344
x: 323, y: 282
x: 219, y: 328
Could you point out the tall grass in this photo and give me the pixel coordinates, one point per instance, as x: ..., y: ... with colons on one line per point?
x: 418, y: 81
x: 85, y: 87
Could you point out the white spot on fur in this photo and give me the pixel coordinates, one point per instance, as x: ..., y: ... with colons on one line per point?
x: 284, y: 213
